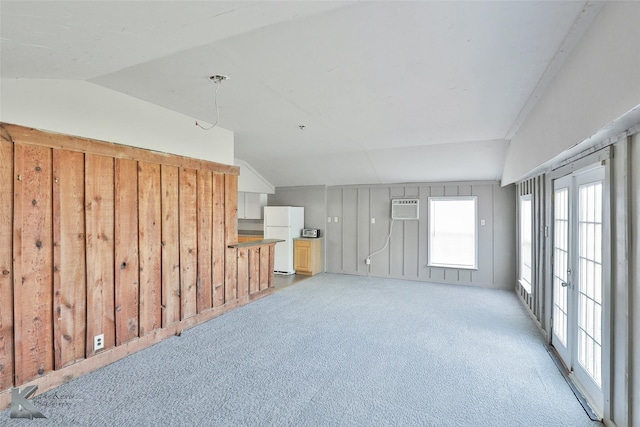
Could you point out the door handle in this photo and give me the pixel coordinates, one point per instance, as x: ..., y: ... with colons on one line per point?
x: 565, y: 284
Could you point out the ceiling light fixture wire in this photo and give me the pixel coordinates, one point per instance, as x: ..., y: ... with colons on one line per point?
x: 217, y: 79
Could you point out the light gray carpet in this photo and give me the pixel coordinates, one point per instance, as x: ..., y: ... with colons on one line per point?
x: 335, y: 350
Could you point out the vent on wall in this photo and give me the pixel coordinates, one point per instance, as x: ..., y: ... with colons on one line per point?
x: 404, y: 209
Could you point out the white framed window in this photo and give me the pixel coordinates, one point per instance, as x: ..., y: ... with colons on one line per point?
x: 526, y: 253
x: 453, y: 232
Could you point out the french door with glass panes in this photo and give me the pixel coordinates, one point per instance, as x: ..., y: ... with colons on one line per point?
x: 577, y: 313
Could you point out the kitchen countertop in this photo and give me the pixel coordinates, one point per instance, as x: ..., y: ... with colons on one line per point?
x: 255, y: 243
x: 250, y: 232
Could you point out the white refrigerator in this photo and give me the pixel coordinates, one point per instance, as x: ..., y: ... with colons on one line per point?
x: 283, y: 223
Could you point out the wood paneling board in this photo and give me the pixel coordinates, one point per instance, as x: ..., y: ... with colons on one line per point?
x: 412, y: 192
x: 170, y: 246
x: 437, y: 191
x: 334, y: 231
x: 243, y: 273
x: 188, y: 195
x: 127, y: 266
x: 272, y: 254
x: 33, y: 267
x: 484, y: 274
x: 381, y: 211
x: 69, y: 258
x: 349, y: 230
x: 266, y: 266
x: 412, y: 237
x: 231, y: 236
x: 395, y: 192
x: 451, y: 190
x: 364, y: 227
x: 110, y: 149
x: 451, y: 275
x: 100, y: 240
x: 423, y: 227
x: 465, y: 190
x: 254, y: 268
x: 150, y: 240
x: 205, y: 221
x: 218, y: 241
x: 231, y: 275
x: 6, y: 267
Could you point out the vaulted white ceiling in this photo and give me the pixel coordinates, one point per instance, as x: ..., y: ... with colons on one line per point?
x: 389, y: 91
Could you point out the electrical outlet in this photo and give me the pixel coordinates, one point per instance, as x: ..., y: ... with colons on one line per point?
x: 335, y: 219
x: 98, y: 342
x: 367, y: 261
x: 373, y: 220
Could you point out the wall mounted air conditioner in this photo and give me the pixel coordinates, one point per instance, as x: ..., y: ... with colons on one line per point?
x: 405, y: 209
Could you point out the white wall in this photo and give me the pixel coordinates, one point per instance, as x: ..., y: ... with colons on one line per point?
x: 84, y: 109
x: 251, y: 181
x: 597, y: 84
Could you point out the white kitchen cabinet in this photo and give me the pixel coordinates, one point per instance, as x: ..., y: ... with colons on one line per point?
x: 250, y: 205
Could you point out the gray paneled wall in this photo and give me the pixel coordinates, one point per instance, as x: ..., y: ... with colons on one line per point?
x: 312, y: 198
x: 353, y: 237
x: 350, y: 239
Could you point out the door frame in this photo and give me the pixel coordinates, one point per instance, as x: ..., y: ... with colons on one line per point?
x: 570, y: 166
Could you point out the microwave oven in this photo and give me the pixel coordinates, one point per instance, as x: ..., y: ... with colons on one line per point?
x: 310, y: 232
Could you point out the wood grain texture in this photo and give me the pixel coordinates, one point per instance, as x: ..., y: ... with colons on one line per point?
x: 69, y: 258
x: 33, y: 255
x: 126, y: 250
x: 218, y: 241
x: 90, y: 243
x: 188, y: 195
x: 110, y: 149
x: 170, y: 246
x: 272, y: 253
x: 100, y: 224
x: 205, y: 234
x: 254, y: 268
x: 231, y: 275
x: 266, y: 266
x: 6, y: 265
x: 230, y: 236
x: 150, y: 241
x: 243, y: 273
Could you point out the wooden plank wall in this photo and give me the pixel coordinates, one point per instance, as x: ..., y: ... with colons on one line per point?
x: 100, y: 224
x: 6, y: 267
x: 69, y: 275
x: 150, y: 241
x: 97, y: 238
x: 33, y: 262
x: 127, y: 269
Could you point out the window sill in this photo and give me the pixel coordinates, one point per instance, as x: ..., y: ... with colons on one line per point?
x: 454, y: 266
x: 525, y: 285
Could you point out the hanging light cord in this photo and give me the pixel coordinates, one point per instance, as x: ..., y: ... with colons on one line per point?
x: 215, y: 101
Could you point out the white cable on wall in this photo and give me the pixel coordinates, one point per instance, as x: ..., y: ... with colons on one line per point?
x: 368, y: 258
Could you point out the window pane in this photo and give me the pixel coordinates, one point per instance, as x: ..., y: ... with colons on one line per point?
x: 452, y: 232
x: 526, y: 254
